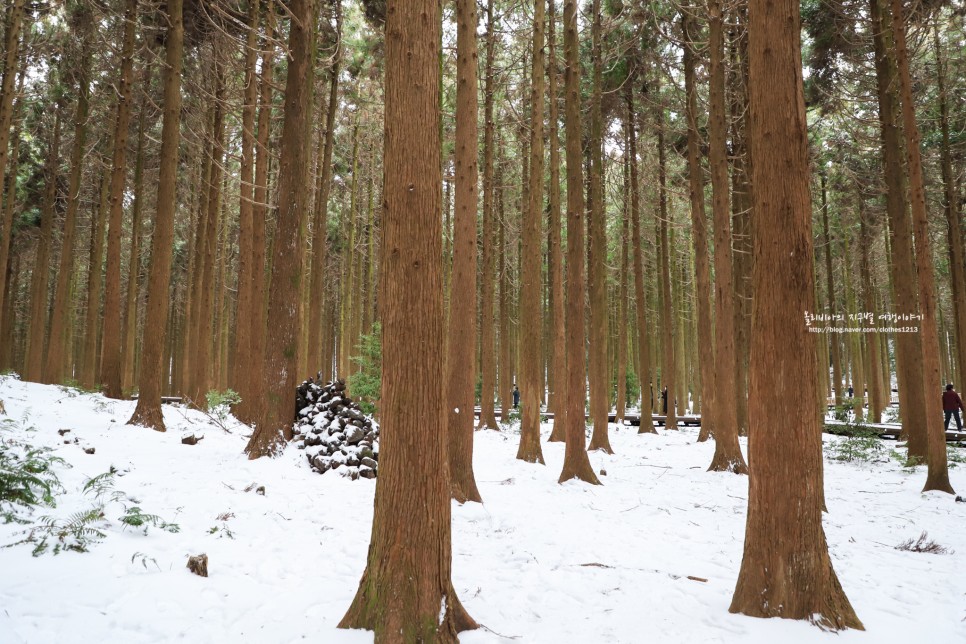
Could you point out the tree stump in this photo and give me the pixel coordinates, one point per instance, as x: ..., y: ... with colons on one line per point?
x: 198, y: 565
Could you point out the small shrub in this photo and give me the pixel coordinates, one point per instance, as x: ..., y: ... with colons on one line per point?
x: 366, y: 385
x: 923, y: 544
x: 862, y: 444
x: 27, y: 479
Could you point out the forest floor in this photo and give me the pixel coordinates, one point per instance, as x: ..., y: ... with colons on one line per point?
x: 536, y: 562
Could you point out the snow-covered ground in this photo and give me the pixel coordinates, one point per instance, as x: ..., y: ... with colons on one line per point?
x: 537, y: 562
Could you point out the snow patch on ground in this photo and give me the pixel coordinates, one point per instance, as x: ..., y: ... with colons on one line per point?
x: 537, y: 561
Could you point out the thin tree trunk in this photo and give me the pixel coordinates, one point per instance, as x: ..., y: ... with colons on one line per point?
x: 785, y: 569
x: 597, y: 270
x: 111, y: 376
x: 58, y: 354
x: 41, y: 270
x: 727, y: 451
x: 558, y: 324
x: 250, y: 391
x: 89, y: 367
x: 868, y: 304
x: 151, y: 377
x: 530, y: 279
x: 667, y: 324
x: 833, y: 338
x: 461, y: 332
x: 699, y: 237
x: 488, y: 345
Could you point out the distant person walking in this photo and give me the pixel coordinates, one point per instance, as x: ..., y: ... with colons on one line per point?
x: 664, y: 400
x: 516, y: 397
x: 952, y: 404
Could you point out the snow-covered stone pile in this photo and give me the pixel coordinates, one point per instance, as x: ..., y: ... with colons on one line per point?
x: 334, y: 432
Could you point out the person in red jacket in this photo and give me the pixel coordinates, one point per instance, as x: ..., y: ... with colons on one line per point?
x: 952, y: 403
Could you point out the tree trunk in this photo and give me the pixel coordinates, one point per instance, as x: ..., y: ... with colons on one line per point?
x: 408, y: 572
x: 111, y: 377
x: 620, y: 402
x: 576, y: 462
x: 58, y: 355
x: 667, y: 323
x: 246, y: 188
x: 89, y: 369
x: 954, y: 232
x: 11, y: 64
x: 461, y: 334
x: 833, y: 338
x: 487, y: 280
x: 250, y: 384
x: 41, y: 271
x: 785, y: 569
x: 597, y: 262
x: 903, y: 265
x: 699, y: 236
x: 531, y: 290
x: 558, y: 325
x: 727, y: 451
x: 279, y: 377
x: 640, y: 294
x: 938, y: 475
x: 152, y: 371
x: 868, y: 304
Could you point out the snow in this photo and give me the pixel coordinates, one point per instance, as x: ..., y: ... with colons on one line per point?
x: 538, y: 561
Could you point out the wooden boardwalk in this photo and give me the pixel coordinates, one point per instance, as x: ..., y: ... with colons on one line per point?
x: 633, y: 418
x: 891, y: 430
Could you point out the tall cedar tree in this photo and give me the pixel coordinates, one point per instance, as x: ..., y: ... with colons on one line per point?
x: 576, y: 462
x: 151, y: 374
x: 597, y: 257
x: 279, y: 377
x: 461, y: 336
x: 56, y: 360
x: 11, y: 59
x: 558, y: 323
x: 488, y: 346
x: 699, y: 233
x: 785, y: 570
x: 727, y: 452
x: 111, y: 344
x: 938, y: 474
x: 531, y: 291
x: 406, y: 593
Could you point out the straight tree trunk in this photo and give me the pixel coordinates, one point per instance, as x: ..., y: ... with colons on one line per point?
x: 461, y: 332
x: 488, y: 345
x: 597, y: 263
x: 868, y: 304
x: 89, y: 363
x: 11, y: 63
x: 785, y: 569
x: 250, y: 391
x: 830, y: 279
x: 246, y: 190
x: 620, y: 402
x: 576, y: 462
x: 279, y: 376
x: 938, y: 474
x: 406, y: 593
x: 558, y: 325
x: 111, y: 369
x: 58, y: 354
x: 699, y: 236
x: 531, y: 348
x: 640, y: 294
x: 41, y: 271
x: 506, y: 358
x: 667, y: 324
x: 727, y: 451
x: 903, y: 265
x: 321, y: 222
x: 153, y: 369
x: 954, y: 232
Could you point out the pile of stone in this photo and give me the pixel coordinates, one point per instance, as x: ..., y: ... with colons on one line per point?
x: 334, y: 432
